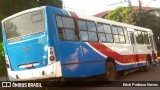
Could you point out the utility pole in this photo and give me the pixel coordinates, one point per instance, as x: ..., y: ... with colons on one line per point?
x: 140, y: 11
x: 140, y: 7
x: 129, y: 3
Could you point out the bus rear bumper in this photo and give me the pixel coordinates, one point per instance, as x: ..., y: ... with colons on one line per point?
x: 50, y: 71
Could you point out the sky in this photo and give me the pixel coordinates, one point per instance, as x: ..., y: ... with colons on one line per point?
x: 93, y: 7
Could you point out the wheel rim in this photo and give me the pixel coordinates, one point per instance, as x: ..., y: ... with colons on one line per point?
x: 110, y: 73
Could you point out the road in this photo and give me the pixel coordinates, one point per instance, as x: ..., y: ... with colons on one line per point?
x: 152, y: 75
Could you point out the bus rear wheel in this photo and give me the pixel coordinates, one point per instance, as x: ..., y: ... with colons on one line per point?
x: 110, y: 74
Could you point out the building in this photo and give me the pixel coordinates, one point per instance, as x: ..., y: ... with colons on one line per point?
x: 102, y: 14
x: 152, y: 10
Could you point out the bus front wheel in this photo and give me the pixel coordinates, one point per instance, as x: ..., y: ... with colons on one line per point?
x: 110, y: 74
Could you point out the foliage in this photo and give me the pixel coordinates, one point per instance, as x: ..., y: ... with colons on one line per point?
x: 124, y: 14
x: 56, y: 3
x: 2, y: 61
x: 10, y: 7
x: 132, y: 16
x: 143, y: 19
x: 1, y: 49
x: 152, y: 22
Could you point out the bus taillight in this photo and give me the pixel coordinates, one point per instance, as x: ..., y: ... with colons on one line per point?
x: 52, y: 58
x: 51, y: 55
x: 51, y: 48
x: 51, y: 52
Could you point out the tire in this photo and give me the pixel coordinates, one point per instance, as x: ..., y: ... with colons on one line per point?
x: 7, y: 76
x: 110, y: 74
x: 148, y: 65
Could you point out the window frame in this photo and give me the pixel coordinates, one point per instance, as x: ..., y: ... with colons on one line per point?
x: 147, y: 37
x: 136, y: 35
x: 119, y: 34
x: 19, y: 37
x: 74, y: 29
x: 87, y: 30
x: 105, y: 32
x: 101, y: 32
x: 125, y: 29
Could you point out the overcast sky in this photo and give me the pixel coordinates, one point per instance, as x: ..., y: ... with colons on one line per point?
x: 96, y: 6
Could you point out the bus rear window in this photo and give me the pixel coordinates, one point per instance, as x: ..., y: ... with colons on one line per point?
x: 24, y: 25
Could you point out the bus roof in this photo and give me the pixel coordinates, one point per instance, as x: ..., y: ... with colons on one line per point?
x: 23, y: 12
x: 101, y: 20
x: 82, y: 16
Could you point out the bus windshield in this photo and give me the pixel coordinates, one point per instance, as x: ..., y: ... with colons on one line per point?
x: 23, y: 25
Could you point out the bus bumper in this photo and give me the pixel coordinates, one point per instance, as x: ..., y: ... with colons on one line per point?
x: 50, y: 71
x: 155, y: 62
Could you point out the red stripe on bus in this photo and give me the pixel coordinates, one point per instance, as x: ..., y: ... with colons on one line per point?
x: 73, y: 14
x: 118, y: 57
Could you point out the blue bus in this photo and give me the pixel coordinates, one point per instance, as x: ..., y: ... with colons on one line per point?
x: 48, y: 42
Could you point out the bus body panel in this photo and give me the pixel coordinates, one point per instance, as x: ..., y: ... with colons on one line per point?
x: 74, y: 55
x: 122, y: 60
x: 66, y: 52
x: 29, y: 49
x: 93, y: 65
x: 72, y: 58
x: 27, y: 52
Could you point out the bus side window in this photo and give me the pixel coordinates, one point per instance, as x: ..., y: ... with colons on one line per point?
x: 104, y: 33
x: 118, y: 34
x: 126, y: 35
x: 101, y: 34
x: 145, y: 37
x: 108, y: 32
x: 92, y: 31
x: 115, y: 34
x: 66, y: 28
x: 87, y: 30
x: 132, y: 38
x: 152, y: 42
x: 59, y: 21
x: 139, y: 37
x: 83, y: 30
x: 121, y: 35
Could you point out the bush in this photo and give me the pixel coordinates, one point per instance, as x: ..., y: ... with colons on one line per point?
x: 1, y: 49
x: 2, y: 61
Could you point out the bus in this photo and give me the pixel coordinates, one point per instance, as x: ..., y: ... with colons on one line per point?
x: 47, y: 42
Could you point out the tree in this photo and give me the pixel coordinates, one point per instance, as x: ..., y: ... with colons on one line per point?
x: 55, y: 3
x: 10, y: 7
x: 132, y: 16
x: 123, y: 14
x: 2, y: 61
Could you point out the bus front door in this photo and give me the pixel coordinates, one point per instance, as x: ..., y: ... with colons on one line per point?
x: 134, y: 56
x: 153, y: 49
